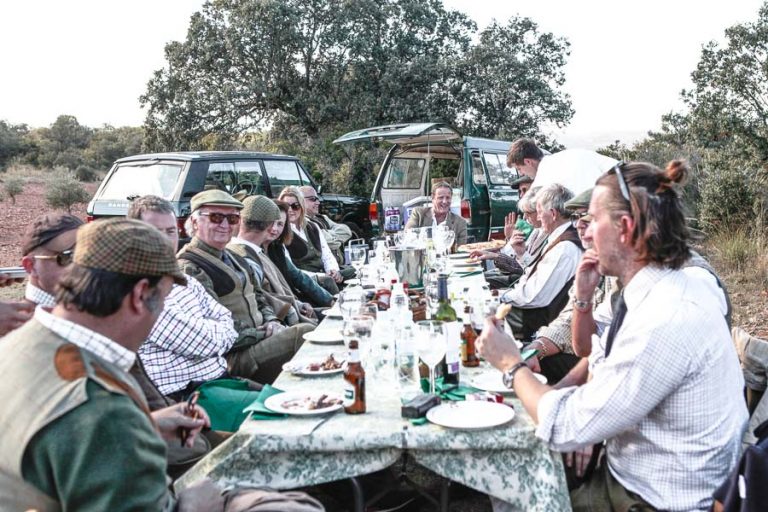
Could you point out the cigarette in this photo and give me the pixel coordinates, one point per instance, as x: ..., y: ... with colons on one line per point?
x: 502, y: 311
x: 191, y: 411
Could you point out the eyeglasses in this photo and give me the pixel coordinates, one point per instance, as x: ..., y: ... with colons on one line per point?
x: 313, y: 199
x: 62, y: 258
x: 622, y: 182
x: 218, y: 218
x: 583, y: 217
x: 295, y: 206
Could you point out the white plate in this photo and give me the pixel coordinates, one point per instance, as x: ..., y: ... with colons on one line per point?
x: 352, y: 282
x: 493, y: 381
x: 472, y: 415
x: 333, y: 312
x: 276, y: 403
x: 302, y: 368
x: 325, y: 337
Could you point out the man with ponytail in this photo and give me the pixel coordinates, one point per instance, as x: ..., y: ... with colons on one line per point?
x: 665, y: 384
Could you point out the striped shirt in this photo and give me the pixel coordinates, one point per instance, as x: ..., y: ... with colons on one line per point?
x: 189, y: 339
x: 39, y: 296
x: 668, y: 400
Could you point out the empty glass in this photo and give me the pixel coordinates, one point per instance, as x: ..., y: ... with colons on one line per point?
x: 359, y: 327
x: 350, y: 300
x: 429, y: 337
x: 357, y: 255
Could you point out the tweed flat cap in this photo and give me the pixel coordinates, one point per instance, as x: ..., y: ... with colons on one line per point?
x: 260, y: 208
x: 214, y: 197
x: 580, y: 201
x: 128, y: 247
x: 45, y: 228
x: 522, y: 179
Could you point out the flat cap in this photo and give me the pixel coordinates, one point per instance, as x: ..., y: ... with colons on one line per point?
x: 260, y: 208
x: 47, y: 227
x: 127, y: 246
x: 214, y: 197
x: 580, y: 201
x: 522, y: 179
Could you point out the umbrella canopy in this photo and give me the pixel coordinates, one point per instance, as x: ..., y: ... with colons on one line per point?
x: 576, y: 169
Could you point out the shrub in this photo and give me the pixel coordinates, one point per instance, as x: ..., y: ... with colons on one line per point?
x: 85, y: 173
x: 726, y: 198
x: 63, y: 191
x: 13, y: 186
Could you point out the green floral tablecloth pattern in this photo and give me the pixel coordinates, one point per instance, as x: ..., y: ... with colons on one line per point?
x: 507, y: 462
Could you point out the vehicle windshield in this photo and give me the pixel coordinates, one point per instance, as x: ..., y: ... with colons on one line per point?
x: 405, y: 173
x: 128, y: 181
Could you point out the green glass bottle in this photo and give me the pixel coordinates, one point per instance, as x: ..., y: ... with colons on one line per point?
x: 445, y: 313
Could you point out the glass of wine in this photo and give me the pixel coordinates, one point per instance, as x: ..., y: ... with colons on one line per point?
x: 357, y: 254
x: 350, y: 300
x: 429, y: 338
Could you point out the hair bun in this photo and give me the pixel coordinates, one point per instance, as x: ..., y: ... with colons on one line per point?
x: 677, y: 171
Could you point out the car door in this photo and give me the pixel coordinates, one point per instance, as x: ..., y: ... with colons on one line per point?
x: 502, y: 197
x: 284, y: 173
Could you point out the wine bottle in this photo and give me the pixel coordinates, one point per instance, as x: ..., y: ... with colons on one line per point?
x: 446, y: 314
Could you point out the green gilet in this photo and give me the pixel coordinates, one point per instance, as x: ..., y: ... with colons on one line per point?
x: 44, y: 378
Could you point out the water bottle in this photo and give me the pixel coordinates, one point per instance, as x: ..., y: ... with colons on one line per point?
x: 400, y: 305
x: 406, y: 365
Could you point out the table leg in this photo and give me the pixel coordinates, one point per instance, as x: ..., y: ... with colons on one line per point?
x: 357, y: 492
x: 445, y: 491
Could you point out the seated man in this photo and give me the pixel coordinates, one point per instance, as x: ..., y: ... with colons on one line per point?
x: 439, y: 213
x: 47, y: 248
x: 77, y: 433
x: 259, y: 215
x: 666, y: 447
x: 193, y: 333
x: 335, y: 234
x: 542, y: 292
x: 264, y: 344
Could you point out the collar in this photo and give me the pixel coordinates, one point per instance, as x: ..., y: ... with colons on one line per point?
x: 298, y: 231
x: 39, y: 296
x: 87, y: 339
x: 199, y: 244
x: 247, y: 243
x: 434, y: 218
x: 642, y: 283
x: 559, y: 230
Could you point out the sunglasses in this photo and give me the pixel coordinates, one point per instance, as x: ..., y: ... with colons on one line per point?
x: 582, y: 217
x: 295, y: 206
x: 62, y: 258
x: 313, y: 199
x: 218, y: 218
x: 622, y: 182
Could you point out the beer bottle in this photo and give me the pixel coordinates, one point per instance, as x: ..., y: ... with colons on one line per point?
x: 468, y: 337
x: 447, y: 315
x: 354, y: 381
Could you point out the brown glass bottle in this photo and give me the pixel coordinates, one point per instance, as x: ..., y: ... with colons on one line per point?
x: 354, y: 381
x: 468, y: 337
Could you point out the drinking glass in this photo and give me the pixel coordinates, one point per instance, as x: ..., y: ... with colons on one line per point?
x: 350, y: 300
x: 429, y: 338
x: 359, y: 327
x: 357, y: 254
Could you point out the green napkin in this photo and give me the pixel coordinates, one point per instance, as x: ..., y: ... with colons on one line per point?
x: 259, y: 411
x: 454, y: 393
x: 225, y: 400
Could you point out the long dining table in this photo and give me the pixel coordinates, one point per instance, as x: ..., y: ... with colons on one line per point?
x: 507, y: 462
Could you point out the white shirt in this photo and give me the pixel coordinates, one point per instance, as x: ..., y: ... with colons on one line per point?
x: 668, y: 399
x: 540, y: 288
x: 254, y: 266
x: 89, y: 340
x: 39, y: 296
x: 329, y: 262
x: 189, y: 339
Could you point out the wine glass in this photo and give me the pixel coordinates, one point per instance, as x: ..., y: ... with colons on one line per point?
x: 430, y: 344
x: 357, y: 254
x: 350, y: 300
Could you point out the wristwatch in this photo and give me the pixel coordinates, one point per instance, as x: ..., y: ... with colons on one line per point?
x: 509, y: 375
x: 582, y: 305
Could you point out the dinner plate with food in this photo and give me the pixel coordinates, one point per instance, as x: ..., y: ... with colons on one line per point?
x: 330, y: 365
x: 304, y: 403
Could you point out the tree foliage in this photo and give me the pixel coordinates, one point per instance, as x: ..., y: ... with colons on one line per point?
x: 63, y: 191
x: 12, y: 142
x: 328, y: 66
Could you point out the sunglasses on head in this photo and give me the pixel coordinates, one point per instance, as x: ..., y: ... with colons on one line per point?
x: 62, y: 258
x: 295, y: 206
x: 623, y: 187
x: 218, y: 218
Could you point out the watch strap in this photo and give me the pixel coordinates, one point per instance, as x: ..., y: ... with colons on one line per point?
x: 509, y: 375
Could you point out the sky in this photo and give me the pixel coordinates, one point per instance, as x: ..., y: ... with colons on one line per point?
x: 92, y: 59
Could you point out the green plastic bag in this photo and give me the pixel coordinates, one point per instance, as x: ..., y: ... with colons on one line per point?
x: 226, y: 400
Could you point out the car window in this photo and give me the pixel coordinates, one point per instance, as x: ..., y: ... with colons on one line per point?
x: 498, y: 172
x: 221, y: 175
x: 405, y: 173
x: 249, y: 177
x: 478, y: 174
x: 282, y: 173
x: 141, y: 180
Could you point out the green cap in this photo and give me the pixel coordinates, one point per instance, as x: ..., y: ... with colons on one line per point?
x: 260, y: 209
x: 580, y: 201
x: 522, y: 179
x: 214, y: 197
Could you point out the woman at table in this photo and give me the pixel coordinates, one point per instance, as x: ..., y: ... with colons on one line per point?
x: 308, y: 249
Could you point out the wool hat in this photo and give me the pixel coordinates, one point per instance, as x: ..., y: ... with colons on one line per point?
x: 127, y: 246
x: 580, y: 201
x: 47, y: 227
x: 260, y: 208
x: 214, y: 197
